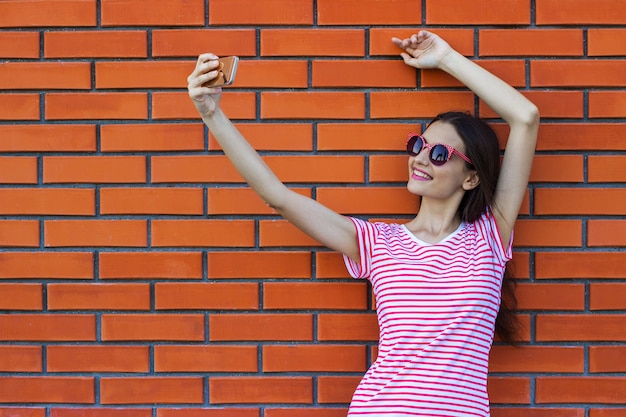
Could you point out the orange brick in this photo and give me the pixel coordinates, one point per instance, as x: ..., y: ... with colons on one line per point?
x: 48, y: 327
x: 363, y: 136
x: 361, y: 327
x: 417, y: 104
x: 18, y: 170
x: 579, y: 264
x: 151, y: 201
x: 314, y: 296
x: 520, y: 264
x: 22, y: 412
x: 607, y: 296
x: 606, y: 41
x: 153, y: 137
x: 155, y: 265
x: 368, y: 12
x: 19, y: 44
x: 370, y: 200
x: 533, y: 296
x: 237, y: 105
x: 151, y: 390
x: 461, y: 40
x: 100, y: 43
x: 280, y: 233
x: 579, y: 137
x: 579, y: 327
x: 67, y: 106
x: 536, y: 412
x: 509, y: 390
x: 577, y: 73
x: 18, y: 106
x: 294, y: 74
x: 551, y: 104
x: 142, y: 74
x: 205, y: 358
x: 606, y: 168
x: 314, y: 358
x: 51, y: 265
x: 535, y: 42
x: 203, y: 233
x: 20, y: 359
x: 21, y: 297
x: 270, y: 12
x: 388, y: 168
x: 353, y: 73
x: 259, y: 265
x: 533, y: 232
x: 239, y: 201
x: 140, y: 13
x: 94, y: 169
x: 47, y: 138
x: 274, y: 136
x: 320, y: 42
x: 47, y: 389
x: 557, y: 168
x: 266, y: 390
x: 169, y: 327
x: 193, y: 42
x: 20, y: 13
x: 97, y: 358
x: 552, y: 12
x: 537, y: 359
x: 311, y: 105
x: 486, y: 12
x: 607, y: 359
x: 100, y: 412
x: 606, y: 232
x: 607, y: 104
x: 98, y: 296
x: 607, y: 412
x: 512, y: 72
x: 206, y: 296
x: 213, y: 411
x: 305, y: 412
x: 330, y: 265
x: 193, y: 168
x: 571, y: 390
x: 336, y: 389
x: 252, y: 327
x: 335, y: 168
x: 45, y: 75
x: 580, y: 201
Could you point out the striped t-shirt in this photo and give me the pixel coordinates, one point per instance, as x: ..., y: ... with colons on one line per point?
x: 436, y: 306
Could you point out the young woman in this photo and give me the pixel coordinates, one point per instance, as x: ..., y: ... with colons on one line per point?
x: 437, y: 279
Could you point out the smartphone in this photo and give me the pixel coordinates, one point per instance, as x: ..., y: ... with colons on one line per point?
x: 227, y: 72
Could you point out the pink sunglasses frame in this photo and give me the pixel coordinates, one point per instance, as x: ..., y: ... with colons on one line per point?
x: 428, y: 147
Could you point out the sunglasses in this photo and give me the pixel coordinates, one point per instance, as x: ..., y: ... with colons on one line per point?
x: 438, y: 153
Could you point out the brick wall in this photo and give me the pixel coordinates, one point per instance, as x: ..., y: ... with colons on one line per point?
x: 140, y: 277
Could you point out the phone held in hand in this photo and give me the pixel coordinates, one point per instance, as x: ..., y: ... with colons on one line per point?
x: 227, y: 72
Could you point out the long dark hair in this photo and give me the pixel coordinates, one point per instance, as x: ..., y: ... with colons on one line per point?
x: 482, y: 147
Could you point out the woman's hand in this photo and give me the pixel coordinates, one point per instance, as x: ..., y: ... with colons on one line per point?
x: 205, y: 99
x: 423, y: 50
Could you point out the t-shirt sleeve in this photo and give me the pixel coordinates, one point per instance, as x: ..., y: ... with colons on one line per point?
x: 366, y: 235
x: 489, y: 229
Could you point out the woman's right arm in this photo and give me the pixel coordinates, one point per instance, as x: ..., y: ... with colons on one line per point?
x: 331, y: 229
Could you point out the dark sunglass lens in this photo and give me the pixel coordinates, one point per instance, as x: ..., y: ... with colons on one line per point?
x: 414, y: 145
x: 439, y: 155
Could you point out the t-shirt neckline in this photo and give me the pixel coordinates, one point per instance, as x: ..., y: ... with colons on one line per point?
x: 424, y: 243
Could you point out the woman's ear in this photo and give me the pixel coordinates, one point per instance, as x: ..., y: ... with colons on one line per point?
x: 471, y: 181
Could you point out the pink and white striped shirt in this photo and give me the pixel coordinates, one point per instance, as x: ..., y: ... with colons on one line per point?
x: 436, y: 307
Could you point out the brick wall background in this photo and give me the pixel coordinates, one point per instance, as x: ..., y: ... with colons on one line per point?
x: 140, y: 277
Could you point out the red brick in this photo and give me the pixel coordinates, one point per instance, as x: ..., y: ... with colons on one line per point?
x: 265, y: 390
x: 100, y: 412
x: 606, y: 168
x: 320, y: 42
x: 170, y: 327
x: 100, y: 43
x: 326, y: 169
x: 336, y: 389
x: 388, y: 168
x: 47, y: 201
x: 193, y: 42
x: 51, y: 265
x: 22, y: 412
x: 274, y: 136
x: 536, y: 412
x: 537, y: 359
x: 534, y: 232
x: 205, y: 358
x: 19, y: 44
x: 142, y: 74
x: 18, y: 107
x: 151, y: 201
x: 98, y: 296
x: 520, y: 264
x: 20, y: 359
x: 151, y: 390
x: 607, y: 359
x: 237, y: 105
x: 305, y: 412
x: 48, y: 327
x: 63, y: 233
x: 14, y: 296
x: 370, y: 200
x: 193, y: 168
x: 68, y: 106
x: 280, y: 233
x: 94, y: 169
x: 47, y: 138
x: 542, y: 296
x: 347, y: 327
x: 577, y: 73
x: 509, y: 390
x: 97, y: 358
x: 417, y: 104
x: 208, y: 412
x: 572, y: 390
x: 579, y: 264
x: 314, y: 296
x: 511, y: 71
x: 606, y: 41
x: 275, y: 327
x: 607, y: 412
x: 608, y: 201
x: 269, y: 12
x: 20, y: 13
x: 607, y: 296
x: 206, y: 296
x: 581, y: 136
x: 330, y: 265
x: 311, y: 105
x: 240, y: 201
x: 18, y: 170
x: 142, y: 13
x: 371, y: 136
x: 259, y: 265
x: 579, y: 327
x: 552, y: 12
x: 485, y: 12
x: 294, y: 74
x: 204, y: 233
x: 357, y: 73
x: 47, y: 389
x: 606, y: 232
x: 551, y: 104
x: 607, y: 104
x: 314, y: 358
x: 461, y: 40
x: 153, y: 137
x: 154, y: 265
x: 557, y: 168
x: 45, y: 75
x: 368, y: 12
x: 535, y: 42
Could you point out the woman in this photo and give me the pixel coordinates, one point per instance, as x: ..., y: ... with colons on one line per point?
x: 437, y: 278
